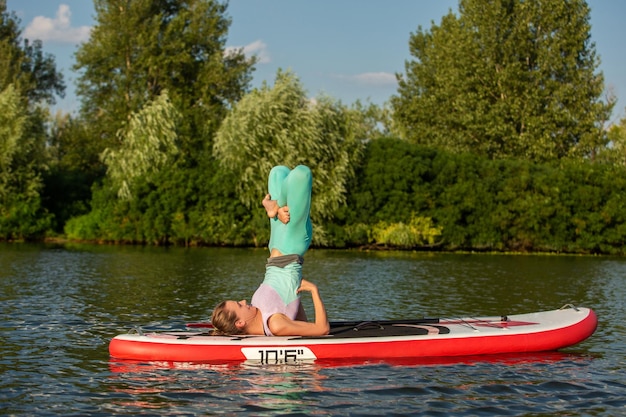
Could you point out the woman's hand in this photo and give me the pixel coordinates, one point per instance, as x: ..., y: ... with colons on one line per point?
x: 307, y: 286
x: 283, y: 214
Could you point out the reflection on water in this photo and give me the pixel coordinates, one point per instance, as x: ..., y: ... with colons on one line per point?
x: 440, y: 385
x: 60, y: 306
x: 121, y: 366
x: 258, y: 389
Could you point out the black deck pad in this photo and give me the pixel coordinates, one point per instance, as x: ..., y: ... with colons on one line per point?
x: 384, y: 329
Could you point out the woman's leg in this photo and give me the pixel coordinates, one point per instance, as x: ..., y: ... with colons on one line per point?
x: 275, y: 183
x: 275, y: 186
x: 293, y: 191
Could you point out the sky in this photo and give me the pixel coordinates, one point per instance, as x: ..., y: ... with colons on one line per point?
x: 349, y: 49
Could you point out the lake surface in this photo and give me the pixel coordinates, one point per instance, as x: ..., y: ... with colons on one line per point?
x: 60, y: 306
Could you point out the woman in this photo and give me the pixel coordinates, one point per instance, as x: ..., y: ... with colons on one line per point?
x: 275, y: 308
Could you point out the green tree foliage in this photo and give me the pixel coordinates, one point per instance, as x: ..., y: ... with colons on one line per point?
x: 21, y: 216
x: 176, y: 206
x: 475, y: 203
x: 391, y: 183
x: 506, y: 78
x: 280, y: 126
x: 148, y: 143
x: 372, y: 121
x: 419, y: 232
x: 74, y: 167
x: 28, y: 81
x: 24, y: 65
x: 12, y: 127
x: 615, y: 153
x: 139, y: 48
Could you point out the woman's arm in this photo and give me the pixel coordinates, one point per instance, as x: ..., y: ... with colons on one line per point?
x: 281, y: 325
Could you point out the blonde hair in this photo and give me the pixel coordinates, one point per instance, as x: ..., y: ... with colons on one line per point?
x: 224, y: 320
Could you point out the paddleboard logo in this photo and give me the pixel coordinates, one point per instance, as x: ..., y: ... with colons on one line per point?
x: 278, y: 355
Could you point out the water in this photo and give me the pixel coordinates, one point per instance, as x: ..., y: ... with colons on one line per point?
x: 60, y: 306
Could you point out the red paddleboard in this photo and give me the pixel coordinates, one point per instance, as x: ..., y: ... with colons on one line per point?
x: 369, y: 340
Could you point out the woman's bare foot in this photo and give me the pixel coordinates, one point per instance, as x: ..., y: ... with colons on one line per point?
x: 271, y: 206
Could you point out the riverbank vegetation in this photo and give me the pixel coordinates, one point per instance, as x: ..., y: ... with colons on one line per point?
x: 498, y: 138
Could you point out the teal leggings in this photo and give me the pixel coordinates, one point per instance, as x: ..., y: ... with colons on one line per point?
x: 293, y: 189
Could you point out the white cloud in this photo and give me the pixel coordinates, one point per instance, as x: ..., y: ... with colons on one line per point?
x: 375, y: 78
x: 257, y: 48
x: 58, y: 29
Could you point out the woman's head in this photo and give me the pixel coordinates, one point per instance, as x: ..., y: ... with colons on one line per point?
x: 233, y: 317
x: 224, y: 320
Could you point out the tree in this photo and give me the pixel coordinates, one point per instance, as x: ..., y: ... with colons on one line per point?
x: 280, y: 126
x: 148, y: 143
x: 21, y: 216
x: 506, y: 78
x: 12, y: 127
x: 28, y: 81
x: 138, y: 49
x: 24, y: 65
